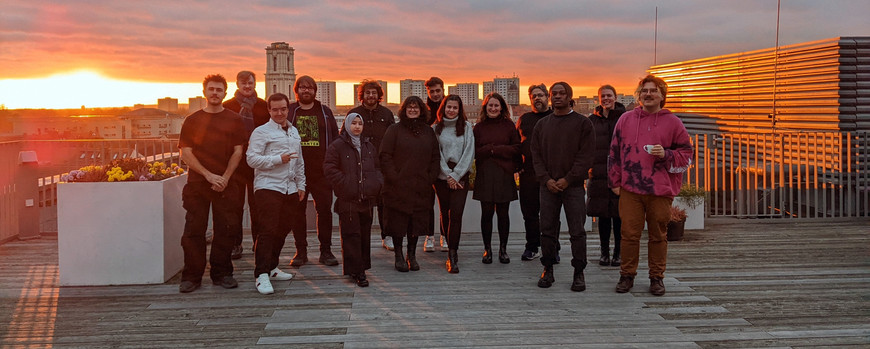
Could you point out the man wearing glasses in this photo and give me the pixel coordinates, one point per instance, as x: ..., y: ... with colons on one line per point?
x: 317, y: 128
x: 649, y: 152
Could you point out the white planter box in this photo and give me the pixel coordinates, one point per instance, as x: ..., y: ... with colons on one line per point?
x: 694, y: 216
x: 120, y: 233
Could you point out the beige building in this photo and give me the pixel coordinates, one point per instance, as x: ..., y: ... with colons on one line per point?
x: 326, y: 93
x: 409, y: 87
x: 468, y: 91
x: 196, y: 103
x: 280, y: 74
x: 168, y: 104
x: 509, y: 88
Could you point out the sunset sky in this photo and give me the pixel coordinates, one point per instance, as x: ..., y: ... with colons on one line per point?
x: 62, y: 54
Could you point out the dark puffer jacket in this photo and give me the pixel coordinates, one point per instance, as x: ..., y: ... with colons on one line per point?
x: 410, y: 160
x: 602, y: 202
x: 355, y: 177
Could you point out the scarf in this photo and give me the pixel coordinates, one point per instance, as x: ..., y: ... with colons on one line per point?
x: 247, y: 104
x: 353, y: 139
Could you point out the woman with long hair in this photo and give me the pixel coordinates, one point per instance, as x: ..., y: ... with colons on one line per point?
x: 456, y: 141
x: 497, y: 150
x: 410, y: 163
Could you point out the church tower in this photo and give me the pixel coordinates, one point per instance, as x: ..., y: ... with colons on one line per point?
x: 280, y: 74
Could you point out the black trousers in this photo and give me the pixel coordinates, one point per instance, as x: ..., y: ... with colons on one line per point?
x: 197, y: 199
x: 356, y: 241
x: 572, y: 198
x: 530, y: 206
x: 320, y: 190
x: 279, y: 214
x: 451, y: 204
x: 248, y: 188
x: 501, y: 209
x: 605, y: 224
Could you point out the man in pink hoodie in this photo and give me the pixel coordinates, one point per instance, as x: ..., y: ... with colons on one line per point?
x: 649, y: 152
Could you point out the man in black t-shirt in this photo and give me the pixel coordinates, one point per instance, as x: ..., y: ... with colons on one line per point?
x: 211, y: 143
x: 317, y: 128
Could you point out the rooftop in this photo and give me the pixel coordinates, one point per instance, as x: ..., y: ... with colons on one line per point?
x: 738, y: 283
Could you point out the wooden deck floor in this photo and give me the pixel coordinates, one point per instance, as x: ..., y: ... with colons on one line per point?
x: 739, y: 283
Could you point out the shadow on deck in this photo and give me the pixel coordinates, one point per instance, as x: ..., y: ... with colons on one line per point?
x: 739, y: 283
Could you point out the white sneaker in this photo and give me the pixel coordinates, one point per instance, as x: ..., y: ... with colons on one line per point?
x: 278, y: 274
x: 443, y: 244
x: 429, y: 245
x: 388, y: 243
x: 264, y: 286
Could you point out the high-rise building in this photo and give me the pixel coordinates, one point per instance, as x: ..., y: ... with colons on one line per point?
x: 280, y: 74
x: 509, y: 88
x: 409, y: 87
x: 326, y: 93
x: 468, y: 91
x: 356, y: 102
x: 195, y: 103
x: 168, y: 104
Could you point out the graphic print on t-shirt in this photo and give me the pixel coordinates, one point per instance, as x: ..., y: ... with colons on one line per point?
x: 307, y: 127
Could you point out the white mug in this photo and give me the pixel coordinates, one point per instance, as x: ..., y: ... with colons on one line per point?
x: 648, y: 148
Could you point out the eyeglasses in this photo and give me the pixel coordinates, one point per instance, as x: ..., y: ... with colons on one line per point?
x: 306, y: 88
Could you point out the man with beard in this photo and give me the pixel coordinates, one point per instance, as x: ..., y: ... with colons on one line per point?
x: 211, y: 145
x: 254, y: 113
x: 377, y: 118
x: 435, y: 90
x: 317, y: 128
x: 530, y: 203
x: 649, y: 152
x: 562, y: 148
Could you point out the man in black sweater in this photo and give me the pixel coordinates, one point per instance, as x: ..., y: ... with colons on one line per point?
x: 530, y: 203
x: 377, y: 118
x: 435, y: 91
x: 562, y: 152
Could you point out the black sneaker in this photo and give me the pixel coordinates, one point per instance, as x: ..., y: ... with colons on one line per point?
x: 327, y: 258
x: 529, y: 255
x: 188, y: 286
x: 226, y: 282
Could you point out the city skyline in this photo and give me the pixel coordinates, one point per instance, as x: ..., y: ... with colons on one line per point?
x: 120, y: 54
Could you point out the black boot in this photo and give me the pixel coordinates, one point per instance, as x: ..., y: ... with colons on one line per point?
x: 452, y: 263
x: 615, y: 261
x: 401, y: 264
x: 579, y: 283
x: 487, y: 255
x: 605, y: 256
x: 547, y: 278
x: 502, y: 253
x: 412, y: 254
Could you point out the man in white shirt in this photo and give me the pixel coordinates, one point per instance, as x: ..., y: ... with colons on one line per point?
x: 279, y: 188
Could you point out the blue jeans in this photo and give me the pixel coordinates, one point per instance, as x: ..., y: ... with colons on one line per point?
x: 575, y: 211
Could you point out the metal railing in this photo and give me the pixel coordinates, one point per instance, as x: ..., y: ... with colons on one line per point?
x: 802, y: 175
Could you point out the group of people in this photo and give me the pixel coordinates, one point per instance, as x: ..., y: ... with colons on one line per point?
x: 277, y: 152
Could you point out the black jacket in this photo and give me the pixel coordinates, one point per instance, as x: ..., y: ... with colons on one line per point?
x: 355, y: 176
x: 376, y: 122
x: 410, y: 160
x: 602, y: 202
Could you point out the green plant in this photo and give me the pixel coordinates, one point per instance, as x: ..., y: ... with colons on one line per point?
x: 692, y: 195
x: 124, y: 170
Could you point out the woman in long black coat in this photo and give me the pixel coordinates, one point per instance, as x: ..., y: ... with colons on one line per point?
x: 602, y: 202
x: 497, y: 157
x: 351, y: 167
x: 410, y: 159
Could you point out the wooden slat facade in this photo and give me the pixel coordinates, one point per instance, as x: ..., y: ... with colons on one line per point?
x: 739, y: 283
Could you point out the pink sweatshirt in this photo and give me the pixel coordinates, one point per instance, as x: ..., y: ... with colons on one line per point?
x: 631, y: 168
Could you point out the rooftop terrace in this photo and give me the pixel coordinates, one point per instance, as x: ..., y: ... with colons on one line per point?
x: 739, y: 283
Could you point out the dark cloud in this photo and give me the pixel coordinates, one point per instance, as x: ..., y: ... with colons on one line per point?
x: 584, y: 42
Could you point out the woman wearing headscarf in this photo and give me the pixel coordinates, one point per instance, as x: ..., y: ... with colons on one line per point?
x: 352, y: 169
x: 410, y: 159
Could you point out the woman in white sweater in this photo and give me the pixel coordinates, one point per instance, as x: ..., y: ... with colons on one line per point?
x: 456, y: 141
